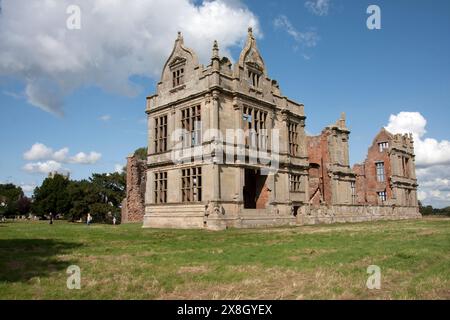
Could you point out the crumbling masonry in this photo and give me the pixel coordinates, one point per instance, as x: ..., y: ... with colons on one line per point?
x: 195, y: 178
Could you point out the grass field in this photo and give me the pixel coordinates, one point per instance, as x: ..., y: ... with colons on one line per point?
x: 128, y: 262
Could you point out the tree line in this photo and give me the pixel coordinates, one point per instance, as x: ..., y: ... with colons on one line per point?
x: 101, y: 195
x: 430, y: 210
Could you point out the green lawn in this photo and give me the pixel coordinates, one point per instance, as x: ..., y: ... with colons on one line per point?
x: 128, y: 262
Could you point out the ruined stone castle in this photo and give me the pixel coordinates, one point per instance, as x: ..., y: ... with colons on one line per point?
x: 227, y: 149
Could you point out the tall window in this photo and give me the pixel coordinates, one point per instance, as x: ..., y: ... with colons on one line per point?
x: 191, y: 184
x: 254, y: 78
x: 405, y: 166
x: 383, y: 146
x: 295, y: 182
x: 255, y: 127
x: 161, y: 134
x: 353, y: 187
x: 191, y: 123
x: 178, y: 77
x: 382, y: 196
x: 161, y: 187
x: 380, y: 171
x: 293, y: 138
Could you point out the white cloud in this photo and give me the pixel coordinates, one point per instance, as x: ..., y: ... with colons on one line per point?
x: 42, y: 167
x: 432, y: 158
x: 429, y: 151
x: 52, y: 161
x: 117, y: 39
x: 38, y: 151
x: 61, y: 155
x: 105, y: 117
x: 308, y: 38
x: 318, y: 7
x: 83, y: 158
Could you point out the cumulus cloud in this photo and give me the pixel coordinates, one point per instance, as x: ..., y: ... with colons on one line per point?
x: 432, y: 158
x: 37, y: 152
x: 429, y: 151
x: 53, y: 160
x: 84, y: 158
x: 308, y: 38
x: 117, y: 39
x: 42, y: 167
x: 318, y: 7
x: 61, y: 155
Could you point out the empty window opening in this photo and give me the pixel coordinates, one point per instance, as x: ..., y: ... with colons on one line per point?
x: 382, y: 196
x: 405, y: 166
x: 192, y: 127
x: 254, y: 78
x: 161, y: 134
x: 380, y: 171
x: 383, y: 146
x: 353, y: 187
x: 191, y: 184
x: 160, y: 187
x: 293, y: 138
x: 295, y: 182
x: 255, y: 128
x: 177, y: 77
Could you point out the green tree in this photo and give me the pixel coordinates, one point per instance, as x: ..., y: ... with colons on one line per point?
x: 81, y: 195
x: 52, y: 196
x: 24, y: 205
x: 10, y: 195
x: 109, y: 187
x: 141, y: 153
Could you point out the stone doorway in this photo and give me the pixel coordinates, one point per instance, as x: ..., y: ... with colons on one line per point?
x: 256, y: 193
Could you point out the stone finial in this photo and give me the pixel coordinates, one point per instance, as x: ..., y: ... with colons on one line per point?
x: 342, y: 120
x: 215, y: 50
x: 180, y: 37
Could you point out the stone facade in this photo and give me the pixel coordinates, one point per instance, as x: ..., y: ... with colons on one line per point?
x: 199, y: 175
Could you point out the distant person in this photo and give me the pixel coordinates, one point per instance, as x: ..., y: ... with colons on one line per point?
x: 114, y: 220
x: 88, y: 219
x: 51, y: 218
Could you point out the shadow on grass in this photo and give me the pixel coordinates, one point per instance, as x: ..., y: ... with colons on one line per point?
x: 23, y: 259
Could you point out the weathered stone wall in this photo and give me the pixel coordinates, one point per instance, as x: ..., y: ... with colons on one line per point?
x: 133, y: 208
x: 356, y: 213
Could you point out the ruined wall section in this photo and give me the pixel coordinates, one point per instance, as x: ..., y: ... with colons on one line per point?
x: 133, y: 207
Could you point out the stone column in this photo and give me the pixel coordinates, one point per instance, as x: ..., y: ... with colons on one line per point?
x: 215, y: 125
x: 151, y: 134
x: 238, y: 126
x: 284, y: 134
x: 171, y: 126
x: 149, y: 190
x: 269, y: 126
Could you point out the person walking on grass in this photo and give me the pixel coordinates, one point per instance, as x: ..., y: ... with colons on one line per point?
x: 114, y: 220
x: 51, y: 218
x: 88, y: 219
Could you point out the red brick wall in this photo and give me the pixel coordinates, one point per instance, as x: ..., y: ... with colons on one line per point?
x: 134, y: 208
x: 318, y: 155
x: 367, y: 184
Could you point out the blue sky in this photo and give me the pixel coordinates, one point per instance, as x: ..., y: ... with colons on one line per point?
x: 325, y: 58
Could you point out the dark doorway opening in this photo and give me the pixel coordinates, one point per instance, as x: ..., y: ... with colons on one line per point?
x: 256, y: 193
x: 296, y: 210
